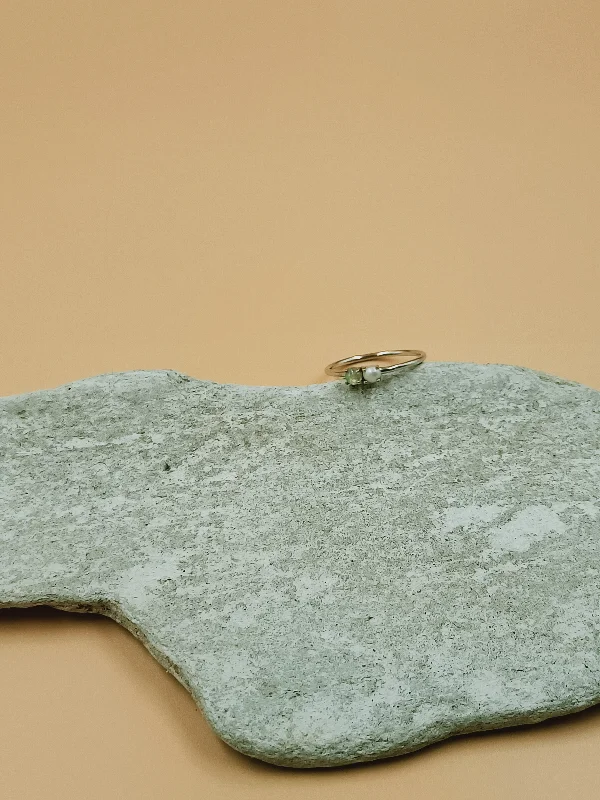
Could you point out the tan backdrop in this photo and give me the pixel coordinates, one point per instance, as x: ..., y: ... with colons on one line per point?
x: 244, y: 191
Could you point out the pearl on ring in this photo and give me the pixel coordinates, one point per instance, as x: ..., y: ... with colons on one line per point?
x: 371, y: 374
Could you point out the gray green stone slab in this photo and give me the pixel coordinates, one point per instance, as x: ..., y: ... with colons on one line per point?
x: 336, y: 573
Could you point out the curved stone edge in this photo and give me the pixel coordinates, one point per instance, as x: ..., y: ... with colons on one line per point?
x: 439, y: 732
x: 113, y: 610
x: 326, y: 385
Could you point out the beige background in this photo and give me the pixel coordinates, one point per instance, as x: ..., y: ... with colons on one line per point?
x: 244, y: 191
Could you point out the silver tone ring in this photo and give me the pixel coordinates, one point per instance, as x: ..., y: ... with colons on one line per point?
x: 354, y: 375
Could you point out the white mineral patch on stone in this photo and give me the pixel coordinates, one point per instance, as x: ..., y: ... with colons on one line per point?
x: 465, y: 516
x: 335, y: 573
x: 528, y: 526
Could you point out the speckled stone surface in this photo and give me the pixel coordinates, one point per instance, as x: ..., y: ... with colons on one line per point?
x: 335, y: 574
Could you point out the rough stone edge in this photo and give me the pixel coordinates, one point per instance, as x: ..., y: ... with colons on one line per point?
x: 114, y: 611
x: 324, y: 385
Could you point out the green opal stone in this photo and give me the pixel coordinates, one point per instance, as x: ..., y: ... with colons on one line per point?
x: 353, y: 376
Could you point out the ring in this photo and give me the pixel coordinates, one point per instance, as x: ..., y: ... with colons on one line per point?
x: 347, y: 369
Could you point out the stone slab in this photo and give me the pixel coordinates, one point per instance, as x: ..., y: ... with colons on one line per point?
x: 336, y: 574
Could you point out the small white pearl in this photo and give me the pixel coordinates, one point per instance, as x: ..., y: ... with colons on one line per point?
x: 372, y: 374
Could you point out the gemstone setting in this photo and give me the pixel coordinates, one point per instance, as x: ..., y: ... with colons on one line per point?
x: 372, y: 374
x: 353, y: 376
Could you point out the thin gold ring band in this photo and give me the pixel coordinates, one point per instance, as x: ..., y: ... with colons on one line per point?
x: 350, y: 370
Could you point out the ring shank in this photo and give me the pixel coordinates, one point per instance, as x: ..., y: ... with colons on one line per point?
x: 411, y: 358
